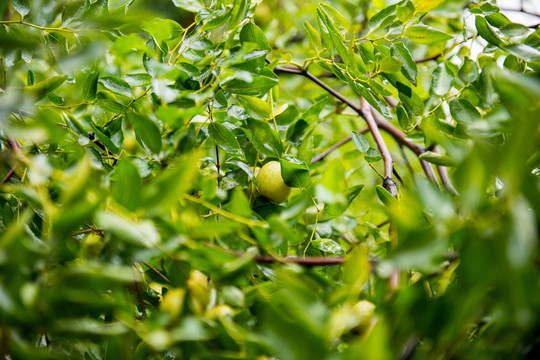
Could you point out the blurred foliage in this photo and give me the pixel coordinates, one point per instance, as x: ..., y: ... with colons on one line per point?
x: 131, y: 133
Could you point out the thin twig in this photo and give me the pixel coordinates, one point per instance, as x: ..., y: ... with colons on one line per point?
x: 158, y: 273
x: 305, y: 261
x: 141, y: 300
x: 218, y: 167
x: 428, y: 58
x: 9, y: 174
x: 87, y: 231
x: 445, y: 179
x: 342, y: 142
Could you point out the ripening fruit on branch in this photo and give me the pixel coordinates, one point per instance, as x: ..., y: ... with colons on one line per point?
x: 271, y: 184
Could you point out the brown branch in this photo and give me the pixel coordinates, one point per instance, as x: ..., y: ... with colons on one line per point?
x: 156, y: 271
x: 445, y: 179
x: 345, y: 140
x: 429, y: 58
x: 388, y: 183
x: 306, y: 261
x: 9, y: 174
x: 141, y: 300
x: 87, y: 231
x: 385, y: 125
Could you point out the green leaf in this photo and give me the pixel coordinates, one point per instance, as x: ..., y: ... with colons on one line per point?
x: 314, y: 35
x: 389, y: 65
x: 360, y: 142
x: 441, y: 82
x: 127, y: 185
x: 486, y: 32
x: 333, y: 35
x: 141, y: 79
x: 249, y: 83
x: 140, y: 233
x: 422, y: 34
x: 256, y: 108
x: 116, y: 85
x: 405, y: 12
x: 437, y: 159
x: 147, y: 132
x: 264, y: 138
x: 468, y: 71
x: 46, y: 86
x: 90, y: 86
x: 423, y: 6
x: 252, y: 33
x: 21, y: 6
x: 340, y: 21
x: 463, y: 111
x: 189, y: 5
x: 328, y: 246
x: 404, y: 120
x: 295, y: 172
x: 525, y: 52
x: 411, y: 101
x: 386, y: 198
x: 382, y: 19
x: 409, y: 69
x: 224, y: 138
x: 372, y: 155
x: 107, y: 142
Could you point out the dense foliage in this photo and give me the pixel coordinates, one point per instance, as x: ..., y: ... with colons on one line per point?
x: 130, y: 221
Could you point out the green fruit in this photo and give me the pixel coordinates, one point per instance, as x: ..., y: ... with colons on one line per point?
x: 363, y: 312
x: 271, y: 184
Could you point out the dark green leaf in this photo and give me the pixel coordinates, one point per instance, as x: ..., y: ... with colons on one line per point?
x: 147, y: 132
x: 127, y: 186
x: 295, y: 172
x: 409, y: 69
x: 265, y: 139
x: 437, y: 159
x: 224, y: 138
x: 90, y: 86
x: 485, y: 31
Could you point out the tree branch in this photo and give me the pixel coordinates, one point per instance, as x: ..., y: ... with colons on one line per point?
x: 386, y: 126
x: 429, y: 58
x: 345, y: 140
x: 389, y: 184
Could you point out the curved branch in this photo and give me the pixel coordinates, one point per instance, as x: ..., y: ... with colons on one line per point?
x: 386, y: 126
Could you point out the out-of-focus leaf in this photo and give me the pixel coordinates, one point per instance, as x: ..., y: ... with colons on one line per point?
x: 44, y: 87
x: 189, y: 5
x: 21, y: 6
x: 437, y: 159
x: 127, y: 185
x: 147, y: 132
